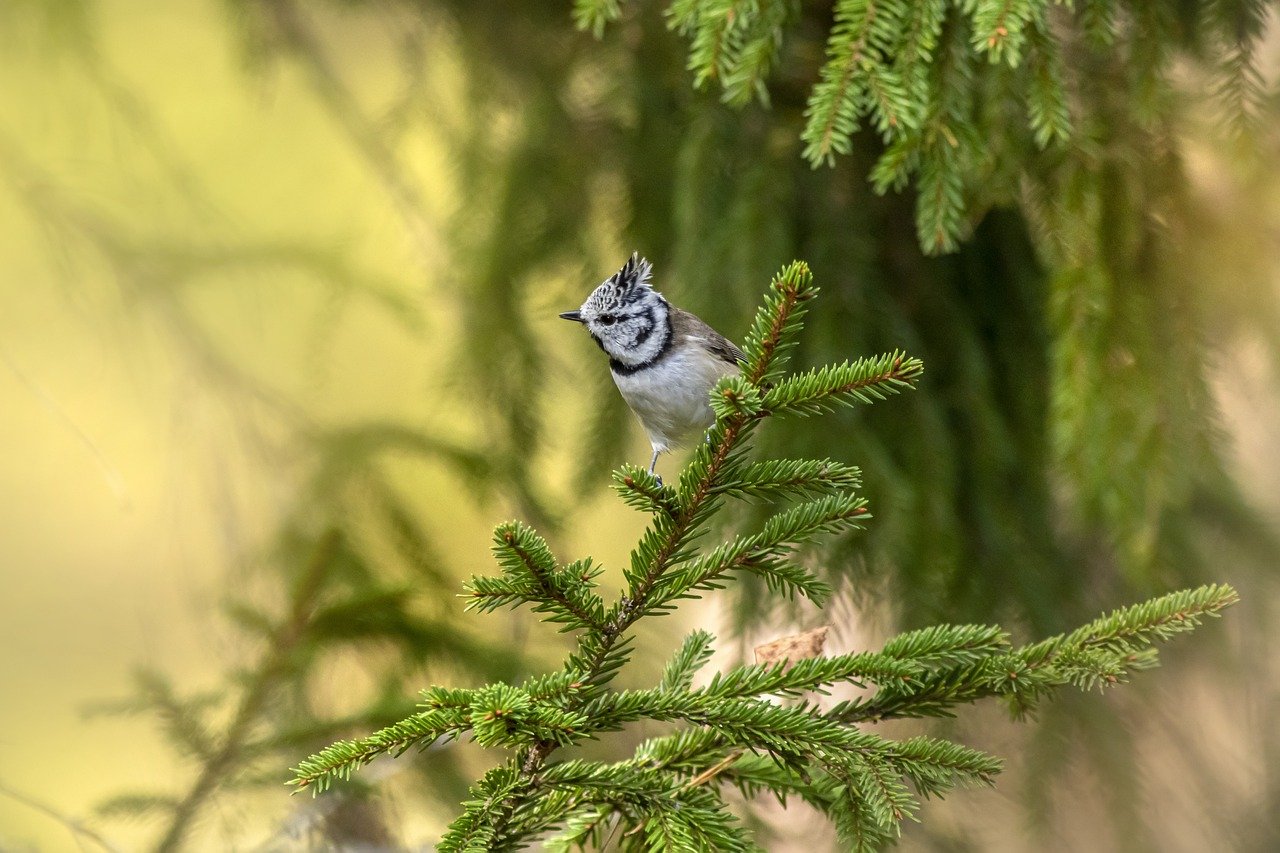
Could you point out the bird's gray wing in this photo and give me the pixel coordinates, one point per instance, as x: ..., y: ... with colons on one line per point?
x: 688, y: 325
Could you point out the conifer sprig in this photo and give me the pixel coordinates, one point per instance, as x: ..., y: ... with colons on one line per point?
x: 1100, y: 654
x: 863, y: 381
x: 531, y: 574
x: 341, y: 759
x: 778, y: 478
x: 921, y: 74
x: 732, y: 732
x: 693, y: 655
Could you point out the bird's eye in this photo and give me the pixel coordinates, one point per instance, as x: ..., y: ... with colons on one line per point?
x: 608, y: 319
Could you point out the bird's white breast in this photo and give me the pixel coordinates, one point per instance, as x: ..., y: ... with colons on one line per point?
x: 671, y: 397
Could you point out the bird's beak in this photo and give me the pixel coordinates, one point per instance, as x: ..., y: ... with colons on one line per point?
x: 575, y: 316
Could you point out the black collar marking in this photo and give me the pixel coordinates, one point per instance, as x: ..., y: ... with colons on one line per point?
x: 620, y: 369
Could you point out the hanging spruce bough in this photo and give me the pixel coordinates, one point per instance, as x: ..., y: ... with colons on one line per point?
x: 733, y: 733
x: 960, y: 90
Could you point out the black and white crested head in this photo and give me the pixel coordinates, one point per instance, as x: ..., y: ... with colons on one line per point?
x: 628, y: 318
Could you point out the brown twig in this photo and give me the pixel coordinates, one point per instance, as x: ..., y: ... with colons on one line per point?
x: 714, y: 770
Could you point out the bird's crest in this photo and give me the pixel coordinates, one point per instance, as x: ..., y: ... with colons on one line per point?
x: 632, y: 281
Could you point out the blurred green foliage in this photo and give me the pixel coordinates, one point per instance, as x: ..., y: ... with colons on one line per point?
x: 1064, y: 451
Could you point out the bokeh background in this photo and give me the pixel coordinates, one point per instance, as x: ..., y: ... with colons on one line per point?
x: 278, y: 346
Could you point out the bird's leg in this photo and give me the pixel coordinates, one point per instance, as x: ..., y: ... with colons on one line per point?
x: 653, y: 463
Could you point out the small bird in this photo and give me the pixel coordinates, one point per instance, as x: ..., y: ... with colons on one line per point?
x: 665, y: 361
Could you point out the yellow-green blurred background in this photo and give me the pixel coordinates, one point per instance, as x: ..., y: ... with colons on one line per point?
x: 230, y: 231
x: 141, y: 472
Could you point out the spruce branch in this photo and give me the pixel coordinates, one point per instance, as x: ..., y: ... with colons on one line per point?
x: 777, y: 478
x: 764, y: 553
x: 693, y: 654
x: 999, y: 27
x: 716, y: 37
x: 1100, y: 654
x: 863, y: 381
x: 777, y: 323
x: 837, y: 101
x: 788, y: 678
x: 677, y: 816
x: 530, y: 574
x: 745, y: 74
x: 643, y: 491
x: 341, y: 759
x: 683, y: 15
x: 732, y: 733
x: 1138, y: 625
x: 935, y: 79
x: 1047, y: 112
x: 475, y: 830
